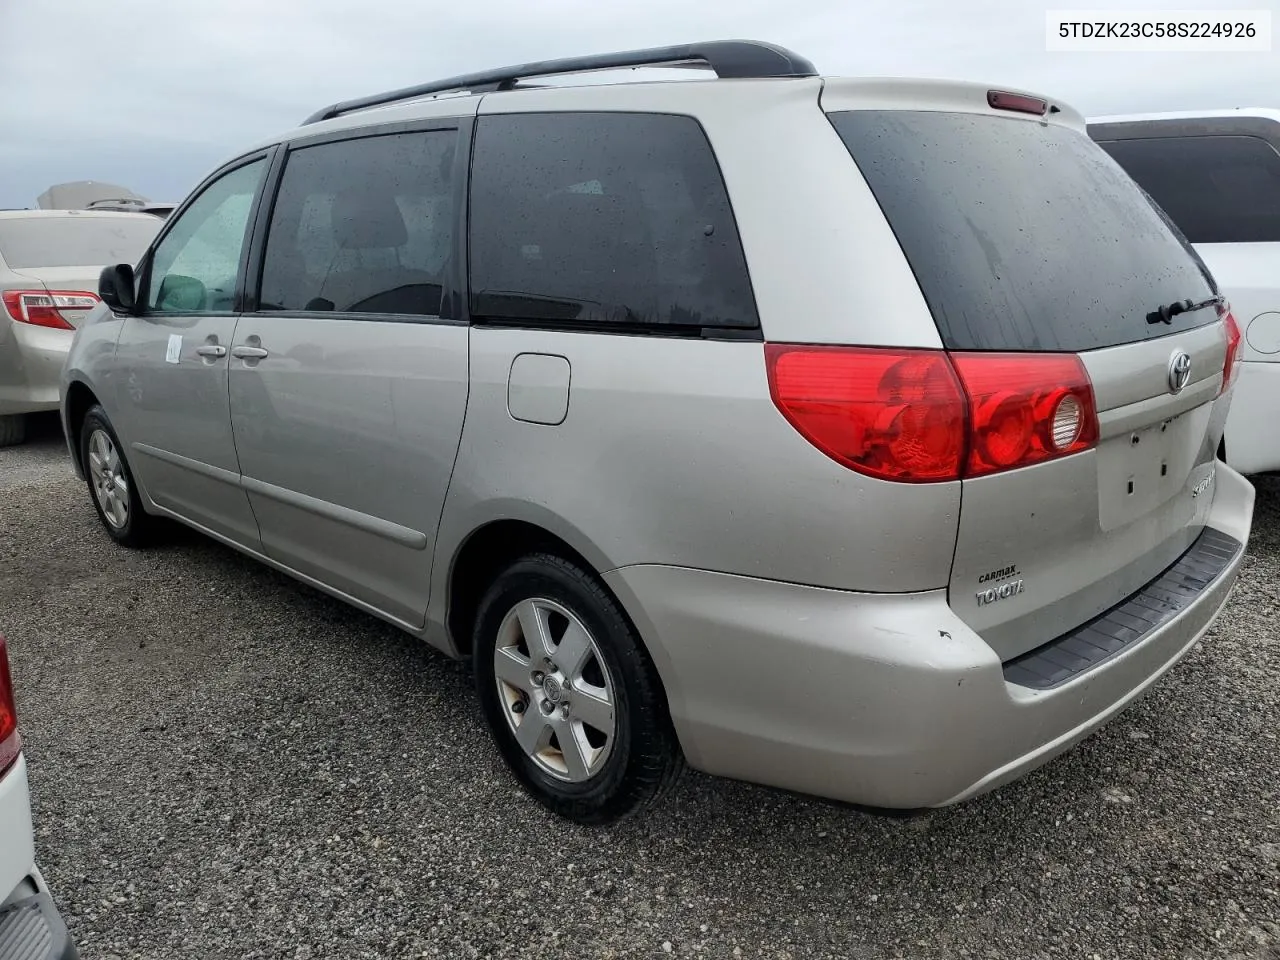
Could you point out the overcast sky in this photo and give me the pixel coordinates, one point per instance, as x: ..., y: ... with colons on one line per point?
x: 151, y: 94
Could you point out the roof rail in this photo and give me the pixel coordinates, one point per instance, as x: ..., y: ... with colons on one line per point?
x: 730, y: 59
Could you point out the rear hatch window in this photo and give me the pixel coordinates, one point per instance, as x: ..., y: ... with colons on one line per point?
x: 1023, y: 236
x: 74, y: 241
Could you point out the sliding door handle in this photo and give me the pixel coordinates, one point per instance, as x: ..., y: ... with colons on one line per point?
x: 249, y: 353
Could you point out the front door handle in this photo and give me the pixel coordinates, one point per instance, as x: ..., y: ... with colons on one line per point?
x: 211, y: 350
x: 248, y: 353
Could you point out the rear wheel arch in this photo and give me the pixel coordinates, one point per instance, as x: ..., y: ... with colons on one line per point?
x: 492, y: 547
x: 484, y: 555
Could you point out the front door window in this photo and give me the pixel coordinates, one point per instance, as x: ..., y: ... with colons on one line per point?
x: 194, y: 268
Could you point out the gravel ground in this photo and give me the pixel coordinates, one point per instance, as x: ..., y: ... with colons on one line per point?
x: 228, y: 764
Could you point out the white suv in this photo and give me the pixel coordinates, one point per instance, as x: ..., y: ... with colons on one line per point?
x: 1216, y: 173
x: 30, y: 928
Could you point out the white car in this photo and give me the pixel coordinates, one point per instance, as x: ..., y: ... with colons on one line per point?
x: 1216, y: 173
x: 30, y: 927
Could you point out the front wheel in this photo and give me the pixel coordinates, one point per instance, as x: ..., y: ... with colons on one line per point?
x: 570, y: 694
x: 115, y: 495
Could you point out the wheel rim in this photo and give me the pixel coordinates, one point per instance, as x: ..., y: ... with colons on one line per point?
x: 555, y: 690
x: 106, y: 473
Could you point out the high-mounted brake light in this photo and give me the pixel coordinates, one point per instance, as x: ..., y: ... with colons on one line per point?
x: 926, y: 415
x: 44, y: 308
x: 1231, y: 365
x: 1020, y: 103
x: 10, y: 740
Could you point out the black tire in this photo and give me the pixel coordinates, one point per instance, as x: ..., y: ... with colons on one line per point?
x: 645, y: 757
x: 13, y: 430
x: 139, y: 527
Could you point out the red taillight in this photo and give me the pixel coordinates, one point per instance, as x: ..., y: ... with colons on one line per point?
x: 10, y: 741
x: 894, y: 414
x: 1025, y: 408
x: 1231, y: 365
x: 43, y: 308
x: 925, y: 415
x: 1017, y: 102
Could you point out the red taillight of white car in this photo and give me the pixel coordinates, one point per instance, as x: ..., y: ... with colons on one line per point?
x: 10, y: 740
x: 920, y: 416
x: 47, y: 308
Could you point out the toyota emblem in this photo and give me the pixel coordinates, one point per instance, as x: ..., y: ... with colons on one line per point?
x: 1179, y: 370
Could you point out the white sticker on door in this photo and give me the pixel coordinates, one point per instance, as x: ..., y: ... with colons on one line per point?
x: 173, y: 353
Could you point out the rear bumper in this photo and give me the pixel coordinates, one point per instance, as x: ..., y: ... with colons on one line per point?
x: 31, y: 367
x: 879, y: 699
x: 31, y: 929
x: 1253, y: 442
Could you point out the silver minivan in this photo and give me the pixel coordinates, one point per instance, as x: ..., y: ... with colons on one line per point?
x: 850, y: 436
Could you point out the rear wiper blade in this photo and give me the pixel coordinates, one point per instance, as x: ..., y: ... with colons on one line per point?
x: 1166, y: 313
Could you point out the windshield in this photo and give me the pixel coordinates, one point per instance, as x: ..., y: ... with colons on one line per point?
x: 75, y: 241
x: 1023, y: 235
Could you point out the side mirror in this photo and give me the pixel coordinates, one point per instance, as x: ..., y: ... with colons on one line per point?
x: 115, y: 287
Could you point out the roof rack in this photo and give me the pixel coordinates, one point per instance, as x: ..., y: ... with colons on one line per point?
x: 729, y: 59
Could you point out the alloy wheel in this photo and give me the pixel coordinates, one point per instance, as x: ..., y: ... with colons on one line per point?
x: 555, y: 690
x: 110, y: 485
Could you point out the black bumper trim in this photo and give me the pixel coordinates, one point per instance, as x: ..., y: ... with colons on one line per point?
x: 1129, y: 621
x: 31, y: 929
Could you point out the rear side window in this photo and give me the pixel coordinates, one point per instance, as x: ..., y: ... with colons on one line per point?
x: 603, y: 219
x: 1217, y: 189
x: 1023, y: 235
x: 363, y: 226
x: 74, y: 241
